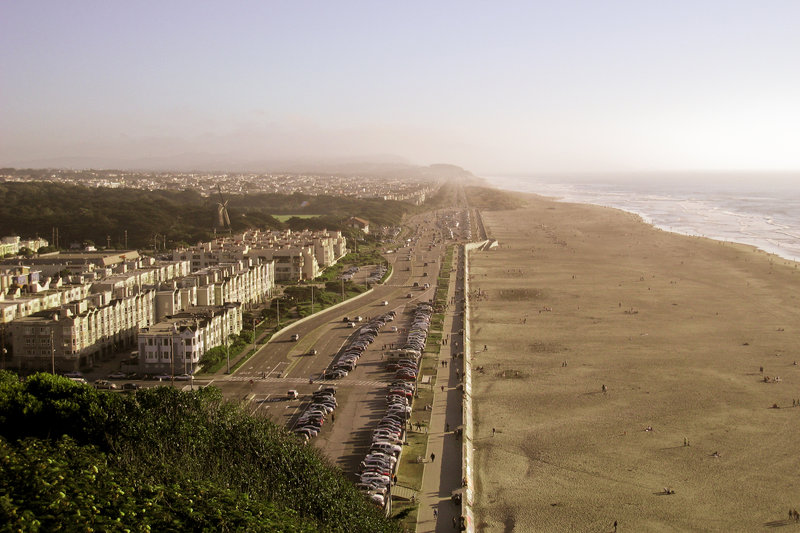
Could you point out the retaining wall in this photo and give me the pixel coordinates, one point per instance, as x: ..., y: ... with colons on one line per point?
x: 467, y: 466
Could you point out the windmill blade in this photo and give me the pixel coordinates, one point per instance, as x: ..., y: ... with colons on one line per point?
x: 221, y: 214
x: 227, y: 218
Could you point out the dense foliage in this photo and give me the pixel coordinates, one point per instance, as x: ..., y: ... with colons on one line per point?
x: 163, y: 460
x: 84, y: 214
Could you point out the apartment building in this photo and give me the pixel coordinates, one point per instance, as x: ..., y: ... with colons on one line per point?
x: 75, y: 324
x: 176, y: 344
x: 296, y: 255
x: 80, y: 332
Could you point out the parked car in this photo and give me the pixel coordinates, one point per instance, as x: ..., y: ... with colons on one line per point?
x: 130, y: 386
x: 292, y: 395
x: 118, y: 375
x: 104, y: 384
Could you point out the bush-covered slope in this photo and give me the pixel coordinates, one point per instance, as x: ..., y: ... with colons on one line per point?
x: 161, y: 460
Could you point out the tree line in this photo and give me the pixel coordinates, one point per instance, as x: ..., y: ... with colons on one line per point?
x: 143, y: 219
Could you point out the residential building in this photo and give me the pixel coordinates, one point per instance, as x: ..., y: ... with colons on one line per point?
x: 176, y: 344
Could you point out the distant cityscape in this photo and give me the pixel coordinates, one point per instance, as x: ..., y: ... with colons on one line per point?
x: 401, y: 188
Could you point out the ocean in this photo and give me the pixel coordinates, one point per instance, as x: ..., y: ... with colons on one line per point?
x: 760, y: 210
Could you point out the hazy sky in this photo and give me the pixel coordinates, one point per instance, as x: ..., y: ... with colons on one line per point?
x: 536, y: 86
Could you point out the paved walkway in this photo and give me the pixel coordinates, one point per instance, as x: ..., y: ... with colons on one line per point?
x: 443, y: 474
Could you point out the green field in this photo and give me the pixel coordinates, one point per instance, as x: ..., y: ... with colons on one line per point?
x: 284, y: 218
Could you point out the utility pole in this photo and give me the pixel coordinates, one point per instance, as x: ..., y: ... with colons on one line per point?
x: 342, y: 289
x: 312, y: 299
x: 52, y: 353
x: 126, y: 239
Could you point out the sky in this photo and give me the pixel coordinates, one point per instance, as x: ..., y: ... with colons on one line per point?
x: 495, y: 87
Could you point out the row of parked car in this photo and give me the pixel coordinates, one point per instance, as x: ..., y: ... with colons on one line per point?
x: 418, y: 332
x: 348, y: 274
x: 323, y: 403
x: 376, y: 275
x: 348, y: 359
x: 379, y: 466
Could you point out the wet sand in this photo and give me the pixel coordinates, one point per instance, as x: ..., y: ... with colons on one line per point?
x: 676, y: 328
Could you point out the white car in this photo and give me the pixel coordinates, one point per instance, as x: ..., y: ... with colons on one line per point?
x: 372, y: 476
x: 383, y: 458
x: 386, y: 447
x: 323, y: 407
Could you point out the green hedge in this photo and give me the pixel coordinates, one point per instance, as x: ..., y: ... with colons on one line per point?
x: 161, y: 460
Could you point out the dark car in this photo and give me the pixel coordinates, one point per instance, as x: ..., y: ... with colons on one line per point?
x: 130, y: 386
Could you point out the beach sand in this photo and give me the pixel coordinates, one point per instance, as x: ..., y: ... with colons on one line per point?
x: 676, y: 328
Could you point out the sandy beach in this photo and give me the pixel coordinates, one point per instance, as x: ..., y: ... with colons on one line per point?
x: 610, y: 345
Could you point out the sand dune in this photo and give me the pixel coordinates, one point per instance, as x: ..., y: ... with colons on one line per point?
x: 676, y: 328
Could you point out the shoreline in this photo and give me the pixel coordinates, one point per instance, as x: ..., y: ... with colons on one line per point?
x: 599, y: 326
x: 775, y: 250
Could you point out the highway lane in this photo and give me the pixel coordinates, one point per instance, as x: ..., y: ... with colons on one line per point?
x: 282, y: 364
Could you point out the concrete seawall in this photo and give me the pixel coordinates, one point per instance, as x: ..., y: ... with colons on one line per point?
x: 466, y: 454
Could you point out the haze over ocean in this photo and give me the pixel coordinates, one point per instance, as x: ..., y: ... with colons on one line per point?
x: 763, y: 211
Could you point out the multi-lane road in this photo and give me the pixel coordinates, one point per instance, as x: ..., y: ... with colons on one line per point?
x: 284, y: 364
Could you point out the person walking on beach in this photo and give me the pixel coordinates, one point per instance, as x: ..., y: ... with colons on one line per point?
x: 493, y: 432
x: 615, y: 526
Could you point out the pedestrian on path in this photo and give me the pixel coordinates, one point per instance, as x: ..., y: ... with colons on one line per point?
x: 442, y: 388
x: 493, y: 430
x: 435, y: 512
x: 433, y: 457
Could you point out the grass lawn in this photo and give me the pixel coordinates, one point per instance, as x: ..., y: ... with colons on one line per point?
x: 284, y: 218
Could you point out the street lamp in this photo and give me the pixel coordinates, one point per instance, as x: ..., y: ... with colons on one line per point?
x: 228, y: 355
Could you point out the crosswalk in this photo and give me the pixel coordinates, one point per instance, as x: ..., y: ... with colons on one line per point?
x: 337, y: 382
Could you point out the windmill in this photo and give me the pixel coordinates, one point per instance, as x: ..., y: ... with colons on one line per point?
x: 223, y: 220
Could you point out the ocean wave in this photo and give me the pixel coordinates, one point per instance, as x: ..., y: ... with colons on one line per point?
x: 762, y: 219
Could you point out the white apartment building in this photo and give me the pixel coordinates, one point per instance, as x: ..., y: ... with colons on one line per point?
x: 176, y: 344
x: 297, y: 255
x: 77, y: 334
